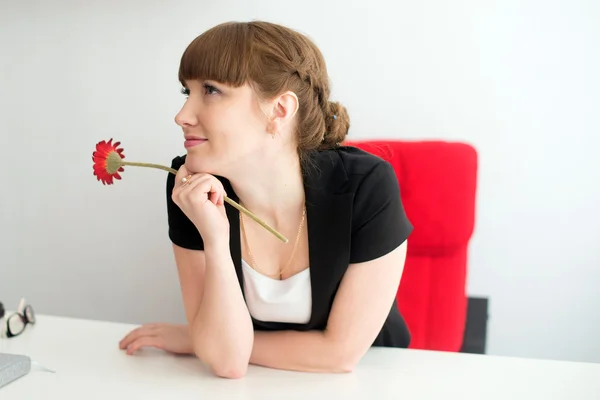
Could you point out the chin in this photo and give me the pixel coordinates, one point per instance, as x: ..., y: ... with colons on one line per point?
x: 196, y: 164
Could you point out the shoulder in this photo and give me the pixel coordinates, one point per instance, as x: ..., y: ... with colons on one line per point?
x: 349, y: 169
x: 363, y: 167
x: 358, y: 160
x: 379, y: 222
x: 372, y: 180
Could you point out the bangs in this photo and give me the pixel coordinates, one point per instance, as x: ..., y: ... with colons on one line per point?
x: 221, y: 54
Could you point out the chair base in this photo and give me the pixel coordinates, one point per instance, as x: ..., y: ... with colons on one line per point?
x: 475, y: 336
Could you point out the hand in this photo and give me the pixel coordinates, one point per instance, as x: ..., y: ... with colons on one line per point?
x: 202, y: 201
x: 168, y: 337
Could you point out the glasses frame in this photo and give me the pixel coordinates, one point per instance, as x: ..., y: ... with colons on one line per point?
x: 25, y: 313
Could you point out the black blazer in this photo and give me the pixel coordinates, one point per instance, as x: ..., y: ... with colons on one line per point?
x: 354, y: 214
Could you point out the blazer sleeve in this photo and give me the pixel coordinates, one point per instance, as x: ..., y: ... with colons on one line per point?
x: 182, y: 230
x: 379, y: 222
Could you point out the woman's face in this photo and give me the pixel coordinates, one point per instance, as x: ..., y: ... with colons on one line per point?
x: 222, y: 126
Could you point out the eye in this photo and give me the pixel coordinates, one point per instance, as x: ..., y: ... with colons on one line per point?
x: 210, y: 89
x: 185, y: 91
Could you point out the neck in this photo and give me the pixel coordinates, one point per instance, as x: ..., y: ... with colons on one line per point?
x: 271, y: 187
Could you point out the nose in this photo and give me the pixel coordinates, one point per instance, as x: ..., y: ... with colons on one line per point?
x: 186, y: 117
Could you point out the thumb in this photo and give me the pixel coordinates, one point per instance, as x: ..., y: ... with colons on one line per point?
x: 182, y: 172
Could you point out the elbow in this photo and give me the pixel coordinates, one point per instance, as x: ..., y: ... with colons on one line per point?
x: 230, y: 361
x: 344, y: 361
x: 228, y: 367
x: 343, y: 367
x: 230, y: 370
x: 343, y: 353
x: 223, y: 365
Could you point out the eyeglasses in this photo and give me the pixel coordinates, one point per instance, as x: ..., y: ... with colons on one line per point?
x: 16, y: 323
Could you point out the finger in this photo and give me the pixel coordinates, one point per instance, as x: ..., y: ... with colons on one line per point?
x: 208, y: 185
x: 215, y: 191
x: 182, y: 172
x: 146, y: 341
x: 145, y: 330
x: 131, y: 336
x: 186, y: 188
x: 183, y: 182
x: 215, y: 197
x: 192, y: 180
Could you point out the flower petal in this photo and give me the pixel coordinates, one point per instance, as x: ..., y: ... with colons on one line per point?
x: 100, y: 157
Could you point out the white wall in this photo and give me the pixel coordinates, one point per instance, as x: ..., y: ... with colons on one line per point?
x: 518, y: 79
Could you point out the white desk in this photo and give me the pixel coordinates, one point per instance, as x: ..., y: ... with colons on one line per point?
x: 89, y: 365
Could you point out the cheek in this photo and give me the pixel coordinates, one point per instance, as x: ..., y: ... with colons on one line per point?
x: 242, y: 127
x: 207, y: 119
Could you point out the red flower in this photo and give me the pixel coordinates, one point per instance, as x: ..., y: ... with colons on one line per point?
x: 107, y: 161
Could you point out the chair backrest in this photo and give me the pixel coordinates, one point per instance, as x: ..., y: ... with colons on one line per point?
x: 438, y: 182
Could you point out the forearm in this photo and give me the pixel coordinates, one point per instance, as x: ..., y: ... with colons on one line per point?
x: 309, y: 351
x: 222, y: 332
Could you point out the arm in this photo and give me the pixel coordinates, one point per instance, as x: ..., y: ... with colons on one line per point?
x: 218, y: 320
x: 359, y: 311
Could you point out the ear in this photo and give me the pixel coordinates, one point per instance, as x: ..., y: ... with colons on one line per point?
x: 285, y: 108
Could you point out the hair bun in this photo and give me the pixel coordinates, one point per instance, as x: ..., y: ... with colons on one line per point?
x: 337, y: 123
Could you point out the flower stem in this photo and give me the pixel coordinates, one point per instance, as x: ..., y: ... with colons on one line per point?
x: 149, y: 165
x: 235, y: 205
x: 255, y: 218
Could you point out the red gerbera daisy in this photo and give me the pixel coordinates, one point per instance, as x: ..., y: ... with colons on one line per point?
x: 107, y: 161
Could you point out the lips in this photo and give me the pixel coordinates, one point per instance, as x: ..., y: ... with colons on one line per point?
x: 191, y: 141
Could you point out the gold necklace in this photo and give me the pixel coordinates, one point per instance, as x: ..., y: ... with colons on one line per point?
x: 255, y: 265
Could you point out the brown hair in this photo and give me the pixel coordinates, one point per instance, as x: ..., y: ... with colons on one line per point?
x: 272, y: 59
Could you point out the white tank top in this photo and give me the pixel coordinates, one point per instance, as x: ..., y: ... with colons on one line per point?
x: 273, y: 300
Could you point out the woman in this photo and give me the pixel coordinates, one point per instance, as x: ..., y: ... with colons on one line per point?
x: 259, y: 128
